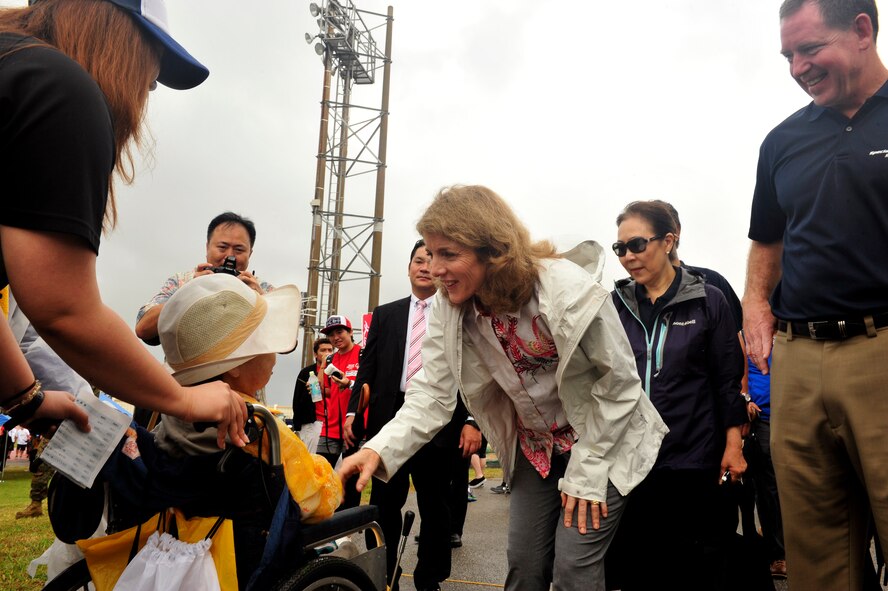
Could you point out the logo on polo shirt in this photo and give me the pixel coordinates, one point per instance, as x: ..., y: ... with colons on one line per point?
x: 685, y: 323
x: 883, y: 153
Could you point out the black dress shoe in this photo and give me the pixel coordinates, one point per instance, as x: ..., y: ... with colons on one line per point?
x: 455, y: 541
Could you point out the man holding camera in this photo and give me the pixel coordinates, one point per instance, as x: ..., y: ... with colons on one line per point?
x: 230, y: 240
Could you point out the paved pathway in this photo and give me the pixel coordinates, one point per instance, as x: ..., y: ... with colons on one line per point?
x: 481, y: 562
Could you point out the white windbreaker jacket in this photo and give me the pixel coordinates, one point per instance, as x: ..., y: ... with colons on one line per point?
x: 619, y: 430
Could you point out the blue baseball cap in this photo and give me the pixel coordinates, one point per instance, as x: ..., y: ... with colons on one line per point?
x: 178, y: 68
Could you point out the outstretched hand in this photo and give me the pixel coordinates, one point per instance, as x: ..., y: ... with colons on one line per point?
x: 364, y: 462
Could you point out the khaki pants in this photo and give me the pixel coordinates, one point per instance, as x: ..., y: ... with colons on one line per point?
x: 829, y: 405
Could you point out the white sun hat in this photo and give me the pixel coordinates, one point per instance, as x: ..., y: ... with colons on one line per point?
x: 216, y: 322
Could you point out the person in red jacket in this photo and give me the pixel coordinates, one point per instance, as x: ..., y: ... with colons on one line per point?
x: 337, y: 380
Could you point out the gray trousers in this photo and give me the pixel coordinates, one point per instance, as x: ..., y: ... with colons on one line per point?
x: 540, y: 549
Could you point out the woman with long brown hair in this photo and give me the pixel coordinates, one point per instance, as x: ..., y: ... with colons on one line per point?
x: 535, y: 346
x: 74, y: 81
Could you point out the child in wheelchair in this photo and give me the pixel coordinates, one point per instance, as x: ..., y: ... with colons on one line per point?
x: 217, y: 328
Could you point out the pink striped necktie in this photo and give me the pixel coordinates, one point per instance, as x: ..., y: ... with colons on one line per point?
x: 417, y: 332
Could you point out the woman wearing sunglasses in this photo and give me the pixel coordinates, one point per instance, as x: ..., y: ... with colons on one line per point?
x: 690, y: 364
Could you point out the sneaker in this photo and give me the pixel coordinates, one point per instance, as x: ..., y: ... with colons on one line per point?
x: 502, y: 489
x: 778, y: 569
x: 472, y: 498
x: 477, y: 482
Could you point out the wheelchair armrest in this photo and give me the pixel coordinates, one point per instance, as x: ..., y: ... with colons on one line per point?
x: 340, y: 524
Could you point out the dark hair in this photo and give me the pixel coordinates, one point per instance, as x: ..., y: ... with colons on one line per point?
x: 321, y: 341
x: 416, y: 247
x: 673, y: 254
x: 229, y: 218
x: 837, y: 14
x: 654, y: 212
x: 672, y: 211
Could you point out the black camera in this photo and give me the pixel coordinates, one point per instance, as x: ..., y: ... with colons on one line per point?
x: 229, y: 266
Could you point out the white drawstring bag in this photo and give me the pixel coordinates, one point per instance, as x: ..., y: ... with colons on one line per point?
x: 168, y: 564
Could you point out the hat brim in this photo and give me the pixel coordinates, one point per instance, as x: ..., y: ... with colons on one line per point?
x: 277, y: 333
x: 329, y: 329
x: 179, y: 70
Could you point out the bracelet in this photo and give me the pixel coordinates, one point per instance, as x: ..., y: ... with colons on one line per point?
x: 25, y: 412
x: 746, y: 397
x: 26, y: 396
x: 20, y: 394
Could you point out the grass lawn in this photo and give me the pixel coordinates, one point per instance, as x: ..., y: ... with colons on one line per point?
x: 21, y: 540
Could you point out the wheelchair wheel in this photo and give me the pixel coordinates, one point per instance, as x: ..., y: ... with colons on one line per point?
x: 73, y: 578
x: 328, y: 573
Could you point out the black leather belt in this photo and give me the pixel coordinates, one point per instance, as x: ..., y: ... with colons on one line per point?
x: 832, y: 330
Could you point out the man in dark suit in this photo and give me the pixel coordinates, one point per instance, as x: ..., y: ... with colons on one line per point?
x: 389, y: 360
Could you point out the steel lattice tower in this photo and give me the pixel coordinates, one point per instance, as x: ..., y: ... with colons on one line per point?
x: 340, y: 235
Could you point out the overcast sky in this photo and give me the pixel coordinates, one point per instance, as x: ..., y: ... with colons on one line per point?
x: 569, y: 109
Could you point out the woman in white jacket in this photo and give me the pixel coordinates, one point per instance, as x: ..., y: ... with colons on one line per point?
x: 536, y: 348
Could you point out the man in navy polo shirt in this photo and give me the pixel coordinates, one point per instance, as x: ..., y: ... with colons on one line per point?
x: 820, y: 236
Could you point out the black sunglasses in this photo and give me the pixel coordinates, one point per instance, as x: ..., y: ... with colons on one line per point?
x: 634, y: 245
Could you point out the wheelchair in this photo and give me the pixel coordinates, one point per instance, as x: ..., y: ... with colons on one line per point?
x: 307, y: 567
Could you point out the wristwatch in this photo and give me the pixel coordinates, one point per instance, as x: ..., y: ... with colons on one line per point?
x: 746, y: 397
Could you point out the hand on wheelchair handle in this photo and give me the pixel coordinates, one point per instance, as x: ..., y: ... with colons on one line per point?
x: 216, y: 402
x: 249, y: 426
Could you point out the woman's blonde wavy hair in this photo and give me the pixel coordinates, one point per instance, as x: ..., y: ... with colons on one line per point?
x: 477, y: 218
x: 108, y: 44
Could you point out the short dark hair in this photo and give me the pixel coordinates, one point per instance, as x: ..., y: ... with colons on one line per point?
x: 837, y: 14
x: 230, y: 218
x: 321, y: 341
x: 653, y: 212
x: 416, y: 247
